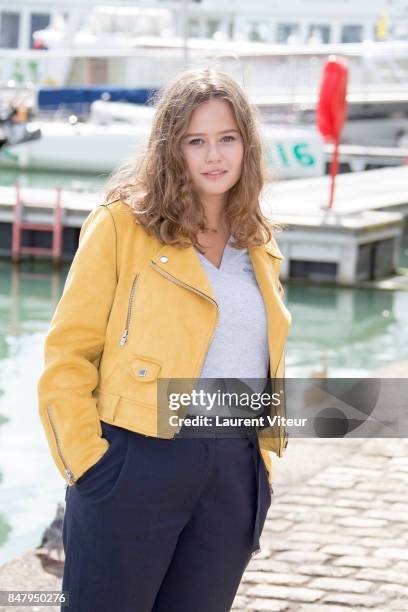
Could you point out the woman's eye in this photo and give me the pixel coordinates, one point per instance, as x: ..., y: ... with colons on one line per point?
x: 195, y: 140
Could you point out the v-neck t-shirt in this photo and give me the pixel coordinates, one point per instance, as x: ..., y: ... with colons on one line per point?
x: 239, y: 347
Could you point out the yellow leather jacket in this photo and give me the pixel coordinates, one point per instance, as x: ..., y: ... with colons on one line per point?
x: 134, y: 311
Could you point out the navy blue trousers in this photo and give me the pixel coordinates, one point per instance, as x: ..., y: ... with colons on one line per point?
x: 162, y: 525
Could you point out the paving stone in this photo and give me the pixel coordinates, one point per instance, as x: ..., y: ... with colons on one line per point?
x: 240, y: 603
x: 398, y: 475
x: 400, y: 506
x: 355, y: 470
x: 307, y: 500
x: 345, y: 502
x: 296, y: 594
x: 334, y: 510
x: 364, y: 532
x: 342, y: 584
x: 392, y: 553
x: 334, y: 483
x: 380, y: 447
x: 265, y: 552
x: 383, y: 576
x: 366, y: 462
x: 357, y: 494
x: 352, y: 599
x: 375, y: 562
x: 357, y: 521
x: 336, y: 549
x: 381, y: 488
x: 388, y: 515
x: 308, y: 489
x: 268, y: 605
x: 277, y: 544
x: 399, y: 461
x: 325, y: 608
x: 384, y: 542
x: 278, y: 525
x: 401, y: 565
x: 325, y: 570
x: 397, y: 498
x: 394, y: 589
x: 321, y: 538
x: 275, y: 578
x: 280, y: 508
x: 302, y: 556
x: 268, y: 565
x: 314, y: 527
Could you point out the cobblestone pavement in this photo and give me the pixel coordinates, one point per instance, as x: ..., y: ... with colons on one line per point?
x: 335, y: 538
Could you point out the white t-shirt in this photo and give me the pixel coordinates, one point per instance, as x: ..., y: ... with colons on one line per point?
x: 239, y: 347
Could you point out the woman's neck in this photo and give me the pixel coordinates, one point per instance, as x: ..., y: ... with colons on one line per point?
x: 216, y: 223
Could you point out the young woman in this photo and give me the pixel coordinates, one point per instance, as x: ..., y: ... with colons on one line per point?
x: 175, y: 280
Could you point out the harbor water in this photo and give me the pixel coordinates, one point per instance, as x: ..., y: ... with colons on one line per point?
x: 336, y: 332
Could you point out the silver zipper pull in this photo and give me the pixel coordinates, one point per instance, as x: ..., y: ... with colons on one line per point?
x: 69, y: 477
x: 123, y: 338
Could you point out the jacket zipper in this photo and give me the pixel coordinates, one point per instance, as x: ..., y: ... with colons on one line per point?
x: 282, y: 445
x: 68, y: 472
x: 124, y: 336
x: 204, y: 295
x: 286, y: 439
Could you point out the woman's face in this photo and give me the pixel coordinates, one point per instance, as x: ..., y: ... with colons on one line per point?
x: 213, y: 149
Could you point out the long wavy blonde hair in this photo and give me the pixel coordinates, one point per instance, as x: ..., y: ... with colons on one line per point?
x: 156, y: 185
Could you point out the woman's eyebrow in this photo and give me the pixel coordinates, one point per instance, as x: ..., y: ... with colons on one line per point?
x: 203, y: 133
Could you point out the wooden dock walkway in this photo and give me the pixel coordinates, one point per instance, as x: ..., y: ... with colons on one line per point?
x: 382, y: 190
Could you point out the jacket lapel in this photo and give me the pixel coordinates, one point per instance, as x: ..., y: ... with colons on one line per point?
x: 185, y: 266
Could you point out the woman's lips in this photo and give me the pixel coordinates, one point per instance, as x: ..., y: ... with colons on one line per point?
x: 215, y: 176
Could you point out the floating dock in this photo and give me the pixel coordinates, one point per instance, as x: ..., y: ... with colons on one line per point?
x: 357, y: 158
x: 359, y: 239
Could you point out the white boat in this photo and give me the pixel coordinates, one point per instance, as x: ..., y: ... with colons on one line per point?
x: 119, y: 131
x: 273, y: 49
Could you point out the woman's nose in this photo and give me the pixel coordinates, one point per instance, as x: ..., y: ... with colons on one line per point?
x: 213, y: 153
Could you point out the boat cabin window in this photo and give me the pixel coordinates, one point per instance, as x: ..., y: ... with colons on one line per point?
x: 9, y: 30
x: 319, y: 33
x: 38, y: 21
x: 194, y: 28
x: 351, y: 34
x: 287, y: 32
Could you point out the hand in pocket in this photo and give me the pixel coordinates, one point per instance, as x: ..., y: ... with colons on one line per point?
x: 99, y: 481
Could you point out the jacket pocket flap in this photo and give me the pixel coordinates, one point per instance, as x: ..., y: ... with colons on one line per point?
x: 144, y: 370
